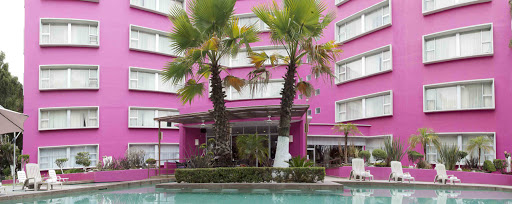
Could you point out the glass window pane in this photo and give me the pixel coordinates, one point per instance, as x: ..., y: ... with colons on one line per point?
x: 79, y: 118
x: 353, y: 28
x: 471, y: 95
x: 373, y: 20
x: 445, y: 47
x: 354, y: 69
x: 145, y: 118
x: 80, y: 34
x: 59, y: 33
x: 446, y: 98
x: 354, y: 109
x: 58, y: 119
x: 58, y: 78
x: 164, y: 45
x: 79, y: 78
x: 471, y: 43
x: 146, y: 81
x: 373, y: 64
x: 374, y: 106
x: 147, y: 41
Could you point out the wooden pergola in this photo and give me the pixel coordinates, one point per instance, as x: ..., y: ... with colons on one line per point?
x: 234, y: 113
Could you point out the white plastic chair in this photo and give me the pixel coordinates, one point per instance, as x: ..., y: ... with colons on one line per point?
x: 358, y: 172
x: 2, y: 188
x: 21, y: 176
x: 398, y: 173
x: 34, y: 177
x: 443, y: 177
x: 53, y: 179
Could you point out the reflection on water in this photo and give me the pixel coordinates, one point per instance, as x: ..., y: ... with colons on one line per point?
x: 349, y: 195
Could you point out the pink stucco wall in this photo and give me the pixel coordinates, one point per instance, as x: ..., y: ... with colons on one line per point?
x: 406, y: 80
x: 428, y: 175
x: 107, y: 176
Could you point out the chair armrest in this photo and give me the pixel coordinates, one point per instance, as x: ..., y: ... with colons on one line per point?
x: 368, y: 171
x: 451, y: 175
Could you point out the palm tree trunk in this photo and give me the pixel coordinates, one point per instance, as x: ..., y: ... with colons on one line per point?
x: 288, y: 94
x: 345, y: 151
x: 425, y: 152
x: 479, y: 151
x: 221, y: 124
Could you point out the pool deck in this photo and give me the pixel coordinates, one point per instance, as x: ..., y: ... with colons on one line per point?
x: 9, y: 194
x: 419, y: 184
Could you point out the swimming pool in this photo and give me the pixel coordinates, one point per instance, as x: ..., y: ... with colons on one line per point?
x: 354, y: 195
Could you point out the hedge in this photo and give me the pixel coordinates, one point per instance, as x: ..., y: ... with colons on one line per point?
x: 251, y: 175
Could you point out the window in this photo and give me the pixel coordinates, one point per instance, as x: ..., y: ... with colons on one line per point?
x: 150, y: 80
x: 168, y: 151
x: 364, y: 22
x: 461, y: 95
x: 460, y: 43
x: 309, y: 112
x: 156, y: 6
x: 55, y: 77
x: 251, y: 19
x: 317, y: 92
x: 434, y: 6
x: 339, y: 2
x: 143, y: 117
x: 308, y: 77
x: 367, y: 64
x: 368, y: 106
x: 69, y: 32
x: 317, y: 110
x: 300, y: 96
x: 242, y: 59
x: 48, y: 155
x: 68, y: 118
x: 462, y: 141
x: 270, y: 90
x: 150, y: 40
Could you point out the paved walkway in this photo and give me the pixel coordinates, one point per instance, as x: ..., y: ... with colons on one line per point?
x: 18, y: 194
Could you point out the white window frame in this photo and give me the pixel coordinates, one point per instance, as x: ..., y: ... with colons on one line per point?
x: 230, y: 89
x: 361, y: 14
x: 156, y: 109
x: 309, y: 112
x: 68, y: 120
x: 69, y: 67
x: 317, y: 92
x: 157, y: 6
x: 458, y: 84
x: 258, y: 49
x: 362, y: 57
x: 158, y: 33
x: 363, y: 98
x: 252, y: 15
x: 308, y: 77
x: 460, y: 135
x: 457, y: 32
x: 97, y: 1
x: 68, y: 153
x: 318, y: 110
x: 340, y: 2
x: 457, y: 4
x: 69, y: 22
x: 147, y: 70
x: 156, y: 147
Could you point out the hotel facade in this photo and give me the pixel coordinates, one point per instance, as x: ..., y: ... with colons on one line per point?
x: 92, y: 79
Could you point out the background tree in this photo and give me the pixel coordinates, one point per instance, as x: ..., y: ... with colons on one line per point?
x: 204, y: 36
x: 294, y: 24
x: 11, y: 93
x: 60, y: 163
x: 347, y: 129
x: 480, y: 143
x: 82, y: 158
x: 424, y: 136
x: 252, y: 147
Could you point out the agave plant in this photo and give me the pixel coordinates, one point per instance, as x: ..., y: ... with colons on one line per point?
x: 203, y: 37
x: 394, y: 149
x: 299, y: 161
x: 294, y: 24
x: 449, y: 155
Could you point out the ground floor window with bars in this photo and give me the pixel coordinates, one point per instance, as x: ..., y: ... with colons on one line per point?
x: 48, y: 155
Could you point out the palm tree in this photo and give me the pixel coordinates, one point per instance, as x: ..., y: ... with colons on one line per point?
x: 510, y: 3
x: 294, y: 24
x: 424, y: 137
x: 480, y: 143
x: 252, y: 147
x: 347, y: 129
x: 206, y: 34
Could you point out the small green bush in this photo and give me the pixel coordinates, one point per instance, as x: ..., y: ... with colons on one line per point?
x: 414, y: 156
x: 299, y: 161
x: 150, y: 161
x: 365, y: 154
x: 422, y: 164
x: 82, y: 158
x: 381, y: 164
x: 251, y: 175
x: 379, y: 154
x: 489, y: 166
x: 499, y: 164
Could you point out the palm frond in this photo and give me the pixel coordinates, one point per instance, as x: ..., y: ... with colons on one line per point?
x: 235, y: 82
x: 305, y: 88
x: 211, y: 16
x: 258, y: 59
x: 177, y: 71
x: 190, y: 91
x: 183, y: 35
x: 347, y: 129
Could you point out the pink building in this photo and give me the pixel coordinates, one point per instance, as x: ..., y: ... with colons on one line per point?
x: 92, y: 78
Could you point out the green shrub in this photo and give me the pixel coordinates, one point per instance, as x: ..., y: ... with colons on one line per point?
x: 462, y: 155
x: 414, y: 156
x: 299, y: 161
x: 499, y: 164
x: 394, y: 149
x: 489, y: 166
x: 422, y: 164
x: 379, y: 154
x: 82, y: 158
x: 365, y: 154
x: 381, y: 164
x: 150, y: 161
x: 251, y: 175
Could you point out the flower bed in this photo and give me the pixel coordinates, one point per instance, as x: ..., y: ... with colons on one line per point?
x: 251, y: 175
x: 382, y: 173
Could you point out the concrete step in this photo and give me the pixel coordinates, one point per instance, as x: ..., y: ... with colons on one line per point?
x: 164, y: 176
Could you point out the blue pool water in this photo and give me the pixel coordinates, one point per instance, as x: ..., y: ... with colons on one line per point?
x: 348, y: 195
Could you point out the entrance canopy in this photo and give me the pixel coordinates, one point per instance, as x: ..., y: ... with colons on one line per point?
x: 11, y: 121
x: 235, y: 113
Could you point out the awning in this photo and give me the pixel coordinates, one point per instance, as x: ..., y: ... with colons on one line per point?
x: 11, y: 121
x: 236, y: 113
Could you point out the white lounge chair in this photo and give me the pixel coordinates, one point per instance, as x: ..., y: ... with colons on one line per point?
x: 34, y: 177
x: 53, y: 179
x: 397, y: 196
x: 443, y: 177
x: 358, y: 172
x: 397, y: 173
x: 21, y: 176
x: 2, y: 188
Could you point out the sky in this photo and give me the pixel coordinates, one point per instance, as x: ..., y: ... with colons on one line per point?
x: 12, y: 22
